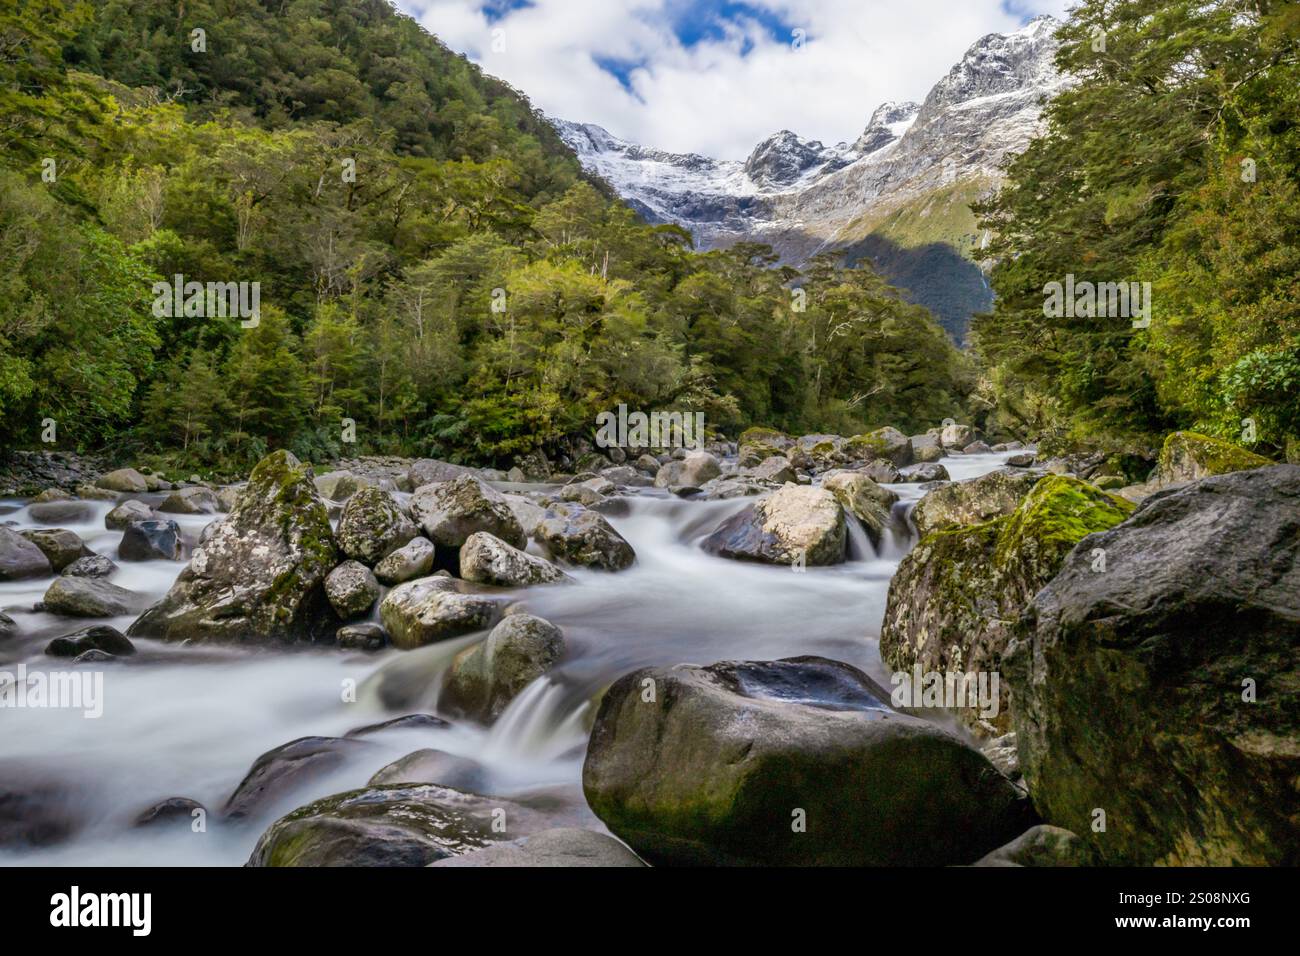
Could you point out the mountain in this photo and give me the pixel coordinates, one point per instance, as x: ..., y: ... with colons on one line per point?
x: 898, y: 195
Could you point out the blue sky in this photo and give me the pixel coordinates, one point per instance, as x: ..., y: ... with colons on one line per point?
x: 717, y: 76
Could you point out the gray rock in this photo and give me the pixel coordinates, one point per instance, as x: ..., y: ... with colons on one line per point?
x: 957, y: 436
x: 100, y: 637
x: 487, y: 559
x: 862, y: 498
x: 373, y: 526
x: 126, y: 480
x: 882, y: 472
x: 976, y: 448
x: 692, y: 471
x: 171, y: 810
x: 579, y: 536
x: 432, y: 766
x: 60, y: 512
x: 278, y: 772
x: 1023, y: 460
x: 91, y: 566
x: 924, y: 473
x: 428, y: 471
x: 339, y: 485
x: 127, y: 512
x: 352, y: 589
x: 367, y: 636
x: 190, y: 501
x: 20, y: 558
x: 8, y: 626
x: 559, y: 847
x: 528, y: 513
x: 796, y: 523
x: 228, y: 497
x: 412, y: 560
x: 449, y: 512
x: 151, y: 540
x: 90, y: 597
x: 776, y: 469
x: 59, y: 546
x: 485, y: 678
x: 926, y: 448
x: 434, y: 609
x: 966, y: 503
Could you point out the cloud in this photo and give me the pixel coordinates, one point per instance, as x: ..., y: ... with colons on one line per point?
x: 717, y: 76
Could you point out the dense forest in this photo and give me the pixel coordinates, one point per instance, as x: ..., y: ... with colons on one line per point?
x: 1174, y: 161
x: 436, y: 276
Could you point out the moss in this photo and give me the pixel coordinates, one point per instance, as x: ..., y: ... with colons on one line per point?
x: 762, y: 436
x: 865, y: 446
x: 1058, y: 513
x: 1199, y: 455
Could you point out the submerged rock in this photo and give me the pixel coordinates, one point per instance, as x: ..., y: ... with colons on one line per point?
x: 261, y: 575
x: 485, y: 678
x: 795, y: 523
x: 1163, y: 689
x: 794, y: 762
x: 276, y: 773
x: 487, y: 559
x: 432, y: 766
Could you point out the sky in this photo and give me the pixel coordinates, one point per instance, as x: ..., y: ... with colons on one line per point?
x: 716, y: 77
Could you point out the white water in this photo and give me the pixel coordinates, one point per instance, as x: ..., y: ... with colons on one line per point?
x: 181, y: 721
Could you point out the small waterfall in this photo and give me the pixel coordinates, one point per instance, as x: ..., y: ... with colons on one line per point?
x: 860, y: 546
x: 540, y: 725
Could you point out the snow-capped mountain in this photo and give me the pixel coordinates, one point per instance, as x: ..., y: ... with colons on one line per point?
x: 899, y: 194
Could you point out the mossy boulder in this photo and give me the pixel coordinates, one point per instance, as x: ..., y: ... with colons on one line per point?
x: 1164, y: 690
x: 756, y: 445
x: 373, y: 525
x: 966, y: 503
x: 862, y: 498
x: 428, y: 610
x: 1187, y: 456
x: 787, y: 763
x: 887, y: 443
x: 955, y: 596
x: 450, y: 511
x: 485, y: 678
x: 260, y: 576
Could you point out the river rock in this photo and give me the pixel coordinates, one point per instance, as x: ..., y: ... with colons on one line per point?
x: 450, y: 511
x: 434, y: 609
x: 887, y: 443
x: 339, y: 485
x: 926, y: 448
x: 352, y: 589
x: 881, y: 472
x: 862, y: 498
x: 373, y: 526
x: 1188, y: 456
x: 127, y: 512
x: 171, y: 810
x: 429, y: 471
x: 52, y: 494
x: 228, y: 497
x: 151, y: 540
x: 126, y: 480
x: 60, y: 512
x: 691, y: 472
x: 278, y: 772
x: 91, y: 566
x: 8, y: 626
x: 396, y: 825
x: 956, y: 436
x: 787, y: 763
x: 965, y: 503
x: 776, y: 469
x: 412, y: 560
x: 976, y: 448
x: 1163, y: 689
x: 579, y: 536
x: 1042, y: 845
x: 59, y: 546
x: 20, y: 558
x: 485, y: 678
x: 261, y: 576
x: 487, y: 559
x: 527, y: 512
x: 195, y: 500
x: 90, y: 597
x: 366, y: 636
x: 100, y: 637
x: 926, y: 473
x: 794, y: 523
x: 559, y: 847
x: 433, y: 766
x: 956, y: 595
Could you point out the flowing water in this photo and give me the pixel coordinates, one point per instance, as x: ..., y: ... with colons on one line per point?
x: 189, y: 722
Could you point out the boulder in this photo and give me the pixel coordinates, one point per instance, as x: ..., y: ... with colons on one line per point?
x: 965, y: 503
x: 339, y: 485
x: 881, y: 472
x: 485, y: 678
x: 366, y: 636
x: 278, y: 772
x: 126, y: 480
x: 1163, y: 689
x: 795, y: 523
x: 956, y: 436
x: 1187, y: 456
x: 887, y: 443
x: 429, y: 471
x: 90, y: 597
x: 925, y: 473
x: 862, y: 498
x: 579, y: 536
x: 527, y: 512
x: 955, y: 596
x: 395, y: 825
x: 60, y: 512
x: 451, y: 511
x: 373, y: 525
x: 8, y: 626
x: 352, y: 589
x: 91, y: 566
x: 172, y: 810
x: 126, y: 513
x: 926, y: 448
x: 100, y: 637
x: 1022, y: 460
x: 59, y: 546
x: 434, y: 609
x: 412, y: 560
x: 260, y: 577
x: 433, y: 766
x: 228, y: 497
x: 560, y: 847
x: 692, y: 471
x: 777, y: 469
x: 191, y: 501
x: 151, y: 540
x: 781, y: 763
x: 1042, y: 845
x: 977, y: 448
x: 20, y: 558
x: 487, y: 559
x: 91, y: 493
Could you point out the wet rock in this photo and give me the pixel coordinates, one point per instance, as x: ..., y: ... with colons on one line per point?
x: 90, y: 597
x: 60, y: 512
x: 862, y: 498
x: 965, y: 503
x: 261, y: 576
x: 976, y: 448
x: 367, y: 636
x: 228, y: 497
x: 560, y: 847
x: 580, y: 494
x: 428, y: 471
x: 35, y: 811
x: 449, y: 512
x: 1040, y: 846
x: 528, y: 513
x: 91, y: 566
x: 485, y: 678
x: 924, y: 473
x: 432, y: 609
x: 881, y: 472
x: 407, y: 722
x: 957, y: 594
x: 339, y: 485
x: 8, y: 626
x: 151, y: 540
x: 20, y: 558
x: 125, y: 514
x: 487, y: 559
x: 433, y: 766
x: 795, y: 523
x: 126, y: 480
x: 578, y: 536
x: 412, y: 560
x: 191, y: 501
x: 1163, y: 689
x: 1023, y: 460
x: 781, y: 763
x: 278, y: 772
x: 109, y: 640
x: 396, y: 825
x: 352, y: 589
x: 171, y: 810
x: 647, y: 464
x: 59, y: 546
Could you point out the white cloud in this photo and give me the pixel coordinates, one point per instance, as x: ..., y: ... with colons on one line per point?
x: 720, y: 96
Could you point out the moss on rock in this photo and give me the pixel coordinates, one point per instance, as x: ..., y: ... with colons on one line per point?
x: 1187, y: 456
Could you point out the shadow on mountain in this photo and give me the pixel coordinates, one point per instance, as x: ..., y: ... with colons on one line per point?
x: 935, y: 275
